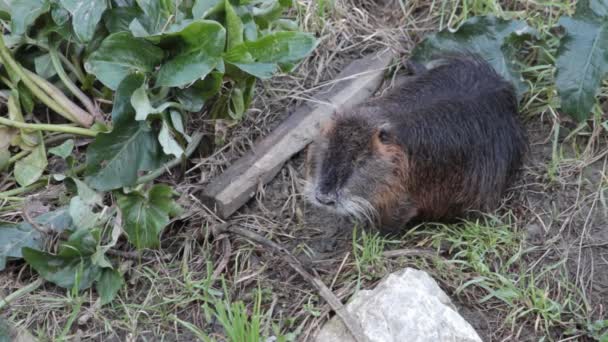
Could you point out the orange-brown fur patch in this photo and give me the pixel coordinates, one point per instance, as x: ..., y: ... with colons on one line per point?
x: 388, y: 196
x: 327, y: 126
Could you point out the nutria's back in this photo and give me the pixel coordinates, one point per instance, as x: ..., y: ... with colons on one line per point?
x: 447, y: 141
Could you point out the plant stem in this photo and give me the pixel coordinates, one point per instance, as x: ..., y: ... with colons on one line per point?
x: 18, y: 156
x: 13, y: 199
x: 22, y: 291
x: 49, y: 127
x: 22, y: 190
x: 57, y: 138
x: 35, y: 88
x: 88, y: 104
x: 39, y: 184
x: 11, y: 64
x: 196, y: 139
x: 81, y: 116
x: 76, y: 69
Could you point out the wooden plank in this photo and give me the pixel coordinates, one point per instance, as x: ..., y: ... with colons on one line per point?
x: 233, y: 188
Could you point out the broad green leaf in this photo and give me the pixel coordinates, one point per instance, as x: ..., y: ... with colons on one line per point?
x: 202, y: 8
x: 266, y: 12
x: 108, y: 285
x: 261, y: 58
x: 82, y: 214
x: 153, y: 19
x: 142, y: 105
x: 86, y: 14
x: 234, y: 26
x: 44, y: 66
x: 178, y: 123
x: 287, y: 25
x: 582, y: 58
x: 99, y: 258
x: 13, y: 237
x: 64, y: 150
x: 121, y: 54
x: 88, y: 195
x: 29, y: 169
x: 114, y: 159
x: 25, y: 12
x: 201, y: 45
x: 490, y: 37
x: 118, y: 19
x: 122, y: 108
x: 60, y: 15
x: 62, y: 271
x: 145, y: 215
x: 168, y: 142
x: 186, y: 68
x: 259, y: 70
x: 57, y: 220
x: 81, y: 243
x: 281, y: 47
x: 195, y: 96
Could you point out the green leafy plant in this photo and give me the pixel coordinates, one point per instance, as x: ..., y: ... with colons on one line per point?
x: 582, y: 59
x: 157, y: 62
x: 490, y: 37
x: 581, y: 62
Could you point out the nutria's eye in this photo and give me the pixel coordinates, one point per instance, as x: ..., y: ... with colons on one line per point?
x: 384, y: 136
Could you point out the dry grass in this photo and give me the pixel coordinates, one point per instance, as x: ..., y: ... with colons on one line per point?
x: 537, y: 269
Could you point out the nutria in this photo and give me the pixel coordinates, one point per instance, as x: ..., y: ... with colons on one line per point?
x: 445, y: 142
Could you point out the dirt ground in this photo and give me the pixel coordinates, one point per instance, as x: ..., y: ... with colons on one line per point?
x: 555, y: 219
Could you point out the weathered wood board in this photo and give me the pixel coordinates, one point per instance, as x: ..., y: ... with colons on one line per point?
x: 237, y: 184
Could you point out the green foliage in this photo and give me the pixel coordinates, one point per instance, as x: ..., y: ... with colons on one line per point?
x: 146, y: 214
x: 599, y: 330
x: 114, y: 159
x: 160, y: 62
x: 29, y: 169
x: 198, y: 51
x: 25, y: 12
x: 368, y: 250
x: 581, y: 62
x: 85, y: 16
x: 121, y: 54
x: 239, y: 323
x: 108, y: 285
x: 64, y: 150
x: 13, y: 237
x: 490, y: 37
x: 582, y: 59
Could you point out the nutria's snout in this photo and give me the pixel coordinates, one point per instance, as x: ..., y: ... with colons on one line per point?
x: 348, y: 164
x: 447, y: 142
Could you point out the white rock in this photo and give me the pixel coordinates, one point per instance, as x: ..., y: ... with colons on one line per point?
x: 407, y: 306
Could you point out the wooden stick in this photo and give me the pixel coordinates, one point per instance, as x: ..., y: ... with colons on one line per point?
x: 334, y: 302
x: 232, y: 189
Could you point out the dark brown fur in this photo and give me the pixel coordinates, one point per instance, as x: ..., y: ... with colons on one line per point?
x: 446, y: 142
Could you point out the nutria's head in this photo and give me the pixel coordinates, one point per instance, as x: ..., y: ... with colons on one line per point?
x: 356, y: 166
